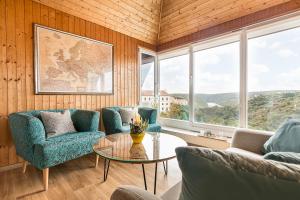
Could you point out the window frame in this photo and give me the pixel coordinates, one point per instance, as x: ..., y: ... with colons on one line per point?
x: 142, y: 50
x: 260, y: 29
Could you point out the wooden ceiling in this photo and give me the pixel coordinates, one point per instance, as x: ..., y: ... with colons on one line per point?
x: 159, y: 21
x: 136, y: 18
x: 180, y: 18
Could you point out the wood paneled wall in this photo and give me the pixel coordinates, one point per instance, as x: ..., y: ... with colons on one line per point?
x: 232, y: 25
x: 17, y: 72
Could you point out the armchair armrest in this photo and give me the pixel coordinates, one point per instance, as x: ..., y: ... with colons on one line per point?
x: 111, y: 120
x: 250, y: 140
x: 149, y: 114
x: 27, y: 131
x: 127, y: 192
x: 85, y: 120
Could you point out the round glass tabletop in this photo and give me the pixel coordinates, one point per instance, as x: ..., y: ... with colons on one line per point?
x: 154, y: 148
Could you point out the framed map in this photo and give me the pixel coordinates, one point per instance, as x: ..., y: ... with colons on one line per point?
x: 66, y: 63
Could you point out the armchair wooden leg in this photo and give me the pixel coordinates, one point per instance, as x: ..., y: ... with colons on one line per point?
x: 24, y: 166
x: 45, y: 178
x: 97, y: 160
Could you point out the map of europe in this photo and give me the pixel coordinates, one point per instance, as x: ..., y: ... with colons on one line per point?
x: 73, y: 64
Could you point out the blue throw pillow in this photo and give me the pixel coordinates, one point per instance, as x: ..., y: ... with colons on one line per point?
x: 288, y: 157
x: 285, y: 139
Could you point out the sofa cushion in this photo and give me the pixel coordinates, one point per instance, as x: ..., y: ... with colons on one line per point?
x: 235, y: 176
x: 244, y: 152
x: 56, y: 150
x: 148, y: 114
x: 286, y: 138
x: 127, y: 115
x: 288, y: 157
x: 57, y: 123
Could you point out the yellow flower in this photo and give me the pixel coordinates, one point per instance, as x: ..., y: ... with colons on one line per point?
x: 137, y: 118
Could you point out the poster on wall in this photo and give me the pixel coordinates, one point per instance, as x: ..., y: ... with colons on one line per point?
x: 66, y: 63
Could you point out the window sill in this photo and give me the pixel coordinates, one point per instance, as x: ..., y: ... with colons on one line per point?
x: 195, y: 138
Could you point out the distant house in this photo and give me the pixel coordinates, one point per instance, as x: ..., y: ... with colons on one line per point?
x: 211, y: 104
x: 165, y: 100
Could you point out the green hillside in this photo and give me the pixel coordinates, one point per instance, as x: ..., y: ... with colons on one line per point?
x: 266, y: 110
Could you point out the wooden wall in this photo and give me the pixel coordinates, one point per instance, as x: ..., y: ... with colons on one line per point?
x: 232, y: 25
x: 16, y: 65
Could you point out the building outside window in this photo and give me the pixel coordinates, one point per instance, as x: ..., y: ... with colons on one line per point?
x: 174, y: 87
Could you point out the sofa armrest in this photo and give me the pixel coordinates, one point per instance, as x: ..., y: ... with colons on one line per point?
x: 27, y: 131
x: 111, y: 120
x: 86, y: 120
x: 149, y: 114
x: 250, y: 140
x: 127, y: 192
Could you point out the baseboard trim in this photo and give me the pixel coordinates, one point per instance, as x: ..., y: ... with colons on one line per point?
x: 11, y: 167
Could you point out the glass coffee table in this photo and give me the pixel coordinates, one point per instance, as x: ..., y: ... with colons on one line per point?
x: 155, y: 148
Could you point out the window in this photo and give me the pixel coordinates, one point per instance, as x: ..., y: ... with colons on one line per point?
x: 174, y: 82
x: 247, y: 79
x: 147, y: 79
x: 216, y: 85
x: 273, y: 79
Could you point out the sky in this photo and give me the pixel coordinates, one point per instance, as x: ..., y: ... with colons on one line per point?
x: 273, y: 64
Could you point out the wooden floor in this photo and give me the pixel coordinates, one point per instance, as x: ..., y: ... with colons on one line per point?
x: 78, y: 179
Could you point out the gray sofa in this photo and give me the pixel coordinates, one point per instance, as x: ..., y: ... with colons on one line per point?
x: 240, y: 172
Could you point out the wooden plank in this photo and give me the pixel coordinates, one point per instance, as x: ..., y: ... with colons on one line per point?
x: 115, y: 72
x: 88, y: 34
x: 4, y: 160
x: 29, y: 55
x: 65, y: 27
x: 36, y: 17
x: 93, y: 36
x: 59, y: 26
x: 102, y: 38
x: 11, y: 54
x: 77, y: 31
x: 45, y: 21
x: 82, y: 32
x: 71, y: 29
x: 52, y: 24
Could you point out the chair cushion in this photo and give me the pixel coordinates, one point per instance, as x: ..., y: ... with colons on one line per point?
x: 286, y: 138
x: 153, y: 128
x: 288, y: 157
x: 56, y: 150
x: 57, y: 123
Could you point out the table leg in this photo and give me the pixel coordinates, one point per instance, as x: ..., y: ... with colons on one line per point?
x: 145, y: 181
x: 166, y: 167
x: 155, y: 177
x: 105, y: 169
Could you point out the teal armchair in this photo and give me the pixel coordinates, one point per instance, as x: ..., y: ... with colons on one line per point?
x: 113, y: 123
x: 34, y: 147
